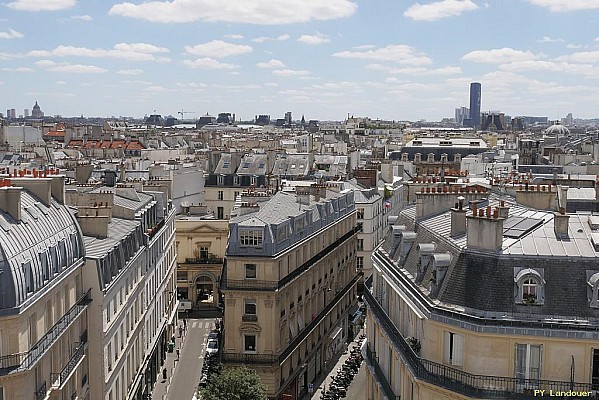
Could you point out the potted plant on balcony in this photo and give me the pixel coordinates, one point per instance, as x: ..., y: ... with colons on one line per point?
x: 414, y: 344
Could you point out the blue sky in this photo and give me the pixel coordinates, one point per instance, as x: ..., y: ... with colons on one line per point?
x: 390, y: 59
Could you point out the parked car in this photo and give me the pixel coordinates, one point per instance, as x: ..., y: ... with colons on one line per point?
x: 212, y: 346
x: 214, y: 334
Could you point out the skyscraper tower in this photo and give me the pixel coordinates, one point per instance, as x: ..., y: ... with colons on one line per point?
x: 475, y: 91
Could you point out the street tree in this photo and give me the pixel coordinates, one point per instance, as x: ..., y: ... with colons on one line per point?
x: 238, y: 383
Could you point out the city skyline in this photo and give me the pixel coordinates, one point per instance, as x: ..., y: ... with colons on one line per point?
x: 403, y: 61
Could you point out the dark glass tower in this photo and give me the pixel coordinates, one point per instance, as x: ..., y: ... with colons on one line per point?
x: 475, y: 104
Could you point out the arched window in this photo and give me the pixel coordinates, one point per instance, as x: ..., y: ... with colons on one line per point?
x: 529, y: 286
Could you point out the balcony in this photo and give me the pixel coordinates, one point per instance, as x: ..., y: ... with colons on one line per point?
x: 378, y: 373
x: 11, y: 362
x: 252, y: 284
x: 201, y: 260
x: 247, y: 358
x: 249, y: 318
x: 41, y: 392
x: 59, y: 379
x: 46, y: 342
x: 467, y: 384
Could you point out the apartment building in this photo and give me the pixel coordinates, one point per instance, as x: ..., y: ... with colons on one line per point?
x: 473, y: 296
x: 289, y: 282
x: 44, y: 305
x: 129, y: 236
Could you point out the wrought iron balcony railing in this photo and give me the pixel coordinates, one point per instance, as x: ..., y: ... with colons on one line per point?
x: 470, y: 385
x: 248, y: 358
x: 249, y: 318
x: 209, y: 260
x: 11, y: 362
x: 59, y: 379
x: 41, y: 392
x: 373, y: 360
x: 46, y: 342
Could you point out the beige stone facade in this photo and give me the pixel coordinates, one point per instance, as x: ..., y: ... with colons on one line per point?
x: 288, y: 294
x: 201, y: 245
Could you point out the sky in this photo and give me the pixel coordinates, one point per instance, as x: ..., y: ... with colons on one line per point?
x: 325, y: 59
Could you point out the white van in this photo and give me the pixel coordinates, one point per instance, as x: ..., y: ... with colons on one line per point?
x: 184, y: 306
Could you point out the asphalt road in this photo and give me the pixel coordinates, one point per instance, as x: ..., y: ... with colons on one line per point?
x: 187, y: 372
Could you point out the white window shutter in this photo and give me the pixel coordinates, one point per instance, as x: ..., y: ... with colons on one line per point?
x: 447, y: 347
x: 458, y: 350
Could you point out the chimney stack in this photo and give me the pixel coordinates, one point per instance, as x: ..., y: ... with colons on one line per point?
x: 560, y: 223
x: 485, y: 229
x: 458, y: 218
x: 10, y: 201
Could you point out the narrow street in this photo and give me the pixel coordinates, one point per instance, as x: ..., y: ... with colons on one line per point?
x: 183, y: 375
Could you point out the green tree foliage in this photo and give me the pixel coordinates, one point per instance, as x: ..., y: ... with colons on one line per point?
x: 239, y: 383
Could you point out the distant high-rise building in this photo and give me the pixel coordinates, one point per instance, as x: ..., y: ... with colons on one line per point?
x: 26, y: 112
x: 288, y: 119
x: 461, y: 114
x: 475, y: 93
x: 13, y: 113
x: 569, y: 120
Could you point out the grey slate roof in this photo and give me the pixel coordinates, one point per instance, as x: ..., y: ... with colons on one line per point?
x: 36, y: 250
x: 482, y: 282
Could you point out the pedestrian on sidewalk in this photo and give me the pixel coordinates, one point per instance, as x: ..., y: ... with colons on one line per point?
x: 180, y: 331
x: 185, y: 324
x: 178, y: 353
x: 164, y: 374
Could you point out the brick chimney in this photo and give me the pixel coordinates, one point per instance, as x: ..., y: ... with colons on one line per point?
x: 485, y: 229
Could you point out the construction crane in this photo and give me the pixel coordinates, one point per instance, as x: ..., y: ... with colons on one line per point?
x: 182, y: 113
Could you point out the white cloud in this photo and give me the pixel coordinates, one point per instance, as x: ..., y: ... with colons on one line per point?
x: 591, y: 57
x: 566, y: 5
x: 416, y: 70
x: 319, y: 38
x: 61, y: 82
x: 547, y: 39
x: 399, y: 53
x: 127, y: 51
x: 280, y: 38
x: 130, y: 71
x: 82, y: 17
x: 271, y: 64
x: 499, y: 56
x: 365, y: 47
x: 551, y: 66
x: 218, y: 49
x: 290, y: 72
x: 271, y: 84
x: 11, y: 34
x: 155, y: 89
x: 258, y: 12
x: 207, y: 63
x: 438, y: 10
x: 574, y: 46
x: 233, y: 36
x: 41, y: 5
x: 50, y: 65
x: 18, y: 69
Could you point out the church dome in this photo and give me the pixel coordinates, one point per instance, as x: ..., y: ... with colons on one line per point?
x: 557, y: 130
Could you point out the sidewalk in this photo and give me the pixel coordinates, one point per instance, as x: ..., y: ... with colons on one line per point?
x: 161, y: 387
x: 333, y: 364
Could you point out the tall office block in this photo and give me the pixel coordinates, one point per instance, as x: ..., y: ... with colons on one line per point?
x: 475, y: 91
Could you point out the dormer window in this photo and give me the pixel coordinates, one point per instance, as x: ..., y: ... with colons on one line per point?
x: 593, y: 291
x: 529, y: 286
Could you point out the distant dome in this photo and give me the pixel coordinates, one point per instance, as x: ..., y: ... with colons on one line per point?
x: 557, y: 130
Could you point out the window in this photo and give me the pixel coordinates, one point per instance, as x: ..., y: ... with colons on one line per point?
x: 360, y: 213
x: 221, y: 180
x: 360, y: 244
x: 28, y: 272
x: 250, y: 271
x: 109, y: 356
x: 251, y: 238
x: 249, y: 343
x: 203, y: 252
x: 529, y: 286
x: 594, y: 371
x: 528, y: 363
x: 221, y: 195
x: 249, y: 307
x: 593, y: 288
x: 454, y: 349
x: 235, y: 180
x: 360, y: 227
x: 359, y: 263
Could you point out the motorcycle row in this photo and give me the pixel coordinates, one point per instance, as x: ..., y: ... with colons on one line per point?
x: 338, y: 387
